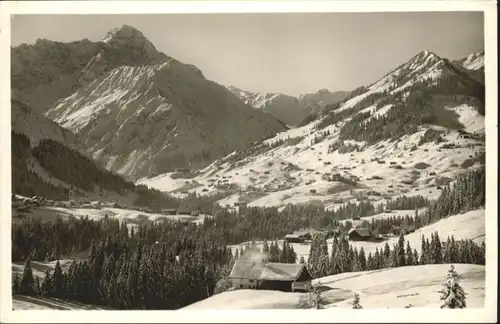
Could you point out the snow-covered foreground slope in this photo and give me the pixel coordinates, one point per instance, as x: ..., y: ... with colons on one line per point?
x: 20, y: 302
x: 415, y: 285
x: 469, y: 225
x: 385, y: 288
x: 248, y: 299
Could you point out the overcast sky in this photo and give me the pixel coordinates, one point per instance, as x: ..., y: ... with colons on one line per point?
x: 289, y: 53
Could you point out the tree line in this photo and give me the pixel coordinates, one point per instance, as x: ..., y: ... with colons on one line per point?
x: 51, y: 239
x: 346, y: 258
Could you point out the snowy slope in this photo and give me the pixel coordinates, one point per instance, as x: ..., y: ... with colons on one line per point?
x: 385, y: 288
x: 294, y: 169
x: 470, y: 225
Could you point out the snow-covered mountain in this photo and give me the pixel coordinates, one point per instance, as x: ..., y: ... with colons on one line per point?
x: 473, y: 65
x: 138, y: 111
x: 401, y: 135
x: 474, y: 61
x: 291, y: 110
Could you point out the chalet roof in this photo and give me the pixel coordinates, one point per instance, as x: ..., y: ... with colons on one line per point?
x: 361, y: 231
x: 266, y: 271
x: 294, y: 235
x: 281, y: 271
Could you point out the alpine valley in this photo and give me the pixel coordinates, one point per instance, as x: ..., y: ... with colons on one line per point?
x: 138, y: 183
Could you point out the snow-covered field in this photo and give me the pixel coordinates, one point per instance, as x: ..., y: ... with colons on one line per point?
x: 129, y: 216
x: 470, y: 225
x: 295, y: 174
x: 386, y: 288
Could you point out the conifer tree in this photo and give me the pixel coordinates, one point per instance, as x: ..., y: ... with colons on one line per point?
x: 26, y: 286
x: 355, y: 303
x: 362, y: 259
x: 47, y: 286
x: 409, y: 254
x: 58, y: 281
x: 453, y: 294
x: 436, y: 249
x: 401, y: 258
x: 415, y: 257
x: 16, y: 284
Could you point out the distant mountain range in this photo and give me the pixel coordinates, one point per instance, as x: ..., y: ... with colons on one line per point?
x: 291, y: 110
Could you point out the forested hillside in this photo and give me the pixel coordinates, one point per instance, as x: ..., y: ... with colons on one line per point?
x: 170, y: 265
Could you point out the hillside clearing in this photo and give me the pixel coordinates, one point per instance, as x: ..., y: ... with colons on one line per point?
x: 469, y: 225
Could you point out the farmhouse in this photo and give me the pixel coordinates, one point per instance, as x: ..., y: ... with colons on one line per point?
x: 360, y: 234
x: 288, y: 277
x: 169, y: 211
x: 294, y: 238
x: 397, y: 230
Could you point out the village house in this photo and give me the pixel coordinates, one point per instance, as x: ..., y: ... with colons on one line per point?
x: 360, y: 234
x: 294, y: 238
x: 169, y: 211
x: 288, y: 277
x: 397, y: 230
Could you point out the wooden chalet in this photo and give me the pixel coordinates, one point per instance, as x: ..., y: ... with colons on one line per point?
x: 397, y: 230
x: 294, y: 238
x: 360, y: 234
x: 288, y: 277
x: 169, y: 211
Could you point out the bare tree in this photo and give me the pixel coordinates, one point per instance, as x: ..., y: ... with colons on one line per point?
x: 313, y: 298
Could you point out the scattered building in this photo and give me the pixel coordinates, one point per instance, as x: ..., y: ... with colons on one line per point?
x: 397, y: 230
x: 294, y: 238
x: 288, y: 277
x: 169, y: 211
x: 360, y: 234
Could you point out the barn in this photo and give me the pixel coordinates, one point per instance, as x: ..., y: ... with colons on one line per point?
x: 360, y: 234
x: 294, y: 238
x: 169, y: 211
x: 288, y: 277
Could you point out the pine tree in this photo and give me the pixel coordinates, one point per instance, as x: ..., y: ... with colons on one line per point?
x: 47, y: 286
x: 401, y: 258
x: 415, y: 256
x: 453, y: 251
x: 436, y: 249
x: 409, y: 254
x: 362, y: 259
x: 26, y: 286
x: 15, y: 284
x: 452, y: 294
x: 355, y: 303
x: 58, y: 281
x: 387, y: 255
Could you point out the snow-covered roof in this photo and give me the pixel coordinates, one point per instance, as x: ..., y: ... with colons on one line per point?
x: 361, y: 231
x: 266, y: 271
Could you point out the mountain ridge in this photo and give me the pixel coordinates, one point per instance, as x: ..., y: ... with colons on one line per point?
x: 123, y: 87
x: 290, y: 109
